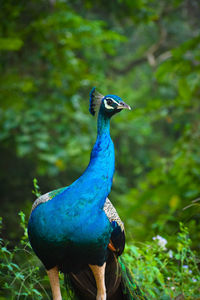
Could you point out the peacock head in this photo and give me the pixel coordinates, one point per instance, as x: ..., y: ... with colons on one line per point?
x: 108, y: 105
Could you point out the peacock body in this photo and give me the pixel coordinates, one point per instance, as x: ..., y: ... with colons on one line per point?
x: 77, y: 226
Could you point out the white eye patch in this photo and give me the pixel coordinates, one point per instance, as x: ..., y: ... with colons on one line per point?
x: 107, y: 106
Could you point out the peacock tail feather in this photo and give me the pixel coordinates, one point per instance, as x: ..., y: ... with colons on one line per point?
x: 120, y: 282
x: 129, y: 285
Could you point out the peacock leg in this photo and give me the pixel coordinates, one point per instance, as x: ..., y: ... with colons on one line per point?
x: 99, y: 275
x: 53, y: 275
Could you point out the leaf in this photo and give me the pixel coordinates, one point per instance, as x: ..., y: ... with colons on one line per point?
x: 10, y: 44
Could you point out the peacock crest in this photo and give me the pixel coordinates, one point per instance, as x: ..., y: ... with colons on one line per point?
x: 95, y: 101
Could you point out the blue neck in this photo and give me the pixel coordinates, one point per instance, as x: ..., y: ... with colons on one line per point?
x: 95, y: 183
x: 103, y: 125
x: 102, y: 158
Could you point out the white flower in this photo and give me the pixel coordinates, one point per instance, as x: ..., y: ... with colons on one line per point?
x: 170, y: 253
x: 161, y: 241
x: 173, y: 288
x: 185, y: 266
x: 168, y: 278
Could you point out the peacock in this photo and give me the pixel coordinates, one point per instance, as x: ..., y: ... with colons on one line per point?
x: 76, y: 229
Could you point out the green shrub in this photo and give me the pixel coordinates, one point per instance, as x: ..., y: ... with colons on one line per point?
x: 20, y: 273
x: 164, y: 273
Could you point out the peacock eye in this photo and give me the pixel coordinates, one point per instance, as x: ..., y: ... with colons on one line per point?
x: 109, y: 101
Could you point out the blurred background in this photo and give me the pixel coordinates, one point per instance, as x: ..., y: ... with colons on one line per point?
x: 148, y: 52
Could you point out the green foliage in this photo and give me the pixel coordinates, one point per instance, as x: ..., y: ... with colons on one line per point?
x: 36, y: 190
x: 20, y: 275
x: 163, y: 273
x: 147, y: 52
x: 45, y: 88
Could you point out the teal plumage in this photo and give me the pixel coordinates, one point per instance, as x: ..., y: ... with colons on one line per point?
x: 71, y: 228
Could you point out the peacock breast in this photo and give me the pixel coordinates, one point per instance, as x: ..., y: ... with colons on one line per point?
x: 50, y: 224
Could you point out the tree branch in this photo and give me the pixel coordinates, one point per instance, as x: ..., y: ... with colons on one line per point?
x: 150, y: 56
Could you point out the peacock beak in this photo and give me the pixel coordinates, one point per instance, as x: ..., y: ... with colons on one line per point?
x: 123, y: 105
